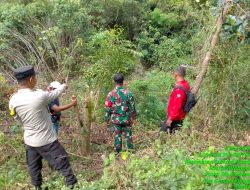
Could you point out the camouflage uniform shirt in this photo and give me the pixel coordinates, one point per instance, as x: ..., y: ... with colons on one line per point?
x: 120, y: 106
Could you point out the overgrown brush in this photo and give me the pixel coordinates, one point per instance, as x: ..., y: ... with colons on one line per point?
x: 224, y: 98
x: 163, y: 164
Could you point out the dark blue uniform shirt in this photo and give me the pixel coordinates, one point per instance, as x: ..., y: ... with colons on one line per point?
x: 55, y: 116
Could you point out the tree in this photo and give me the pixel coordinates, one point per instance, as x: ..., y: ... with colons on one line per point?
x: 214, y: 39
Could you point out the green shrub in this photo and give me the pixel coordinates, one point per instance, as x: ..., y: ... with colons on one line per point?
x: 151, y: 94
x: 224, y: 94
x: 11, y: 174
x: 5, y: 93
x: 163, y: 165
x: 147, y: 44
x: 172, y: 53
x: 12, y: 15
x: 165, y: 21
x: 71, y: 17
x: 109, y: 53
x: 122, y: 13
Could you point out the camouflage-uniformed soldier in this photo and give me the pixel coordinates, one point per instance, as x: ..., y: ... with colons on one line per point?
x: 120, y: 111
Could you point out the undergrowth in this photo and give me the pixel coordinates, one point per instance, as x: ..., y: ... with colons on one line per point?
x: 159, y: 163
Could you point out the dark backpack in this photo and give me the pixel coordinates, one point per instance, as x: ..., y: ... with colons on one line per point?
x: 191, y: 100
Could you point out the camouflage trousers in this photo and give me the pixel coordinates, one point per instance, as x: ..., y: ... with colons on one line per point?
x: 118, y: 131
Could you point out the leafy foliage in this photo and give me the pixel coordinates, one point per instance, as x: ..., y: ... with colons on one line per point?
x: 172, y: 53
x: 226, y: 95
x: 78, y: 22
x: 235, y: 28
x: 5, y: 92
x: 162, y: 166
x: 151, y: 96
x: 110, y: 54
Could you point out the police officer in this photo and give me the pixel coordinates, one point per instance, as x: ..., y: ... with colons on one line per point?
x: 30, y: 106
x: 120, y: 111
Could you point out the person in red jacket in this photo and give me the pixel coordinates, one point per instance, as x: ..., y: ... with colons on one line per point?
x: 177, y: 100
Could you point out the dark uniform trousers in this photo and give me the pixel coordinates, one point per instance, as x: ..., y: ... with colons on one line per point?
x: 175, y: 125
x: 57, y: 157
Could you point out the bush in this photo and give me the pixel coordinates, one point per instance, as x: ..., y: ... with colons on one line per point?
x: 71, y: 18
x: 162, y: 165
x: 12, y: 15
x: 225, y: 92
x: 5, y: 93
x: 172, y: 53
x: 165, y: 21
x: 122, y: 13
x: 151, y: 94
x: 159, y: 50
x: 11, y: 174
x: 109, y: 53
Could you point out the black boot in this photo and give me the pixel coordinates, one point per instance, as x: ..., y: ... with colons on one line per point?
x: 38, y: 187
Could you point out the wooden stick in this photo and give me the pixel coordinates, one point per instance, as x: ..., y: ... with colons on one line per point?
x: 78, y: 116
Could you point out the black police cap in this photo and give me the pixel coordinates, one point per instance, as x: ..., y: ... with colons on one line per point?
x: 24, y: 72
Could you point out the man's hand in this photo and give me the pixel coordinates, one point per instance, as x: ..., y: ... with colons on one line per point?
x: 106, y: 125
x: 169, y: 122
x: 66, y: 86
x: 132, y: 121
x: 73, y: 100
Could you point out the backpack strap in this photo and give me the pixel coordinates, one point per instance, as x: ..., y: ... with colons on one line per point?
x: 182, y: 88
x: 185, y: 91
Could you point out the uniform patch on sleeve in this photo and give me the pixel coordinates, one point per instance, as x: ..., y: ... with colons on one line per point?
x: 108, y: 103
x: 12, y: 112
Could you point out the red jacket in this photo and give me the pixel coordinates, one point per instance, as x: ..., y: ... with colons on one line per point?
x: 176, y: 102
